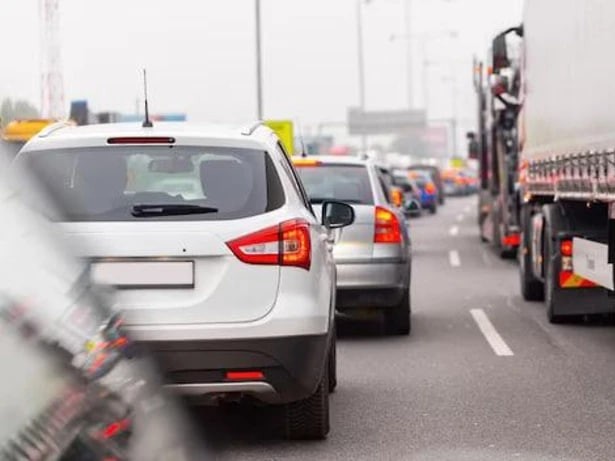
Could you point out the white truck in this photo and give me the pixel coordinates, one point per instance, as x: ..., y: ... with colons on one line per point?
x: 566, y: 134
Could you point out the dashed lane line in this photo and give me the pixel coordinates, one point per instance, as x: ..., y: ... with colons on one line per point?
x: 492, y: 336
x: 454, y: 259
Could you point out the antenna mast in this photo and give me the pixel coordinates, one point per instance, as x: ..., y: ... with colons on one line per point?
x: 52, y: 80
x: 147, y: 123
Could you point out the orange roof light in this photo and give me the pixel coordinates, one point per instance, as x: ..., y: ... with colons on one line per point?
x: 24, y: 130
x: 302, y: 162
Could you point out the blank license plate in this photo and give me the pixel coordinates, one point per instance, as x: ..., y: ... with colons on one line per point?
x: 144, y: 274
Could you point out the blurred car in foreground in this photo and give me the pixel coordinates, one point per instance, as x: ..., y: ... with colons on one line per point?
x: 72, y: 388
x: 436, y: 176
x: 372, y: 255
x: 224, y: 271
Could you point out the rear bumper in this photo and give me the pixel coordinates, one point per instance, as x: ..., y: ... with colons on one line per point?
x: 363, y: 298
x: 292, y: 366
x: 429, y: 201
x: 374, y: 275
x: 371, y: 285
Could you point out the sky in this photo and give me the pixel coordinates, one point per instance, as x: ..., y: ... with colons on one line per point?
x: 200, y: 55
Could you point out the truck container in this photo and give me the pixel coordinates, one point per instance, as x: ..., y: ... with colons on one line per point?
x: 565, y: 171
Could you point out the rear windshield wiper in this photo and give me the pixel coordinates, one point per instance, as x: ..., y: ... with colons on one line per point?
x: 319, y: 200
x: 170, y: 209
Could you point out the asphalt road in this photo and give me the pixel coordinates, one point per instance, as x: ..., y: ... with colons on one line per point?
x: 536, y: 392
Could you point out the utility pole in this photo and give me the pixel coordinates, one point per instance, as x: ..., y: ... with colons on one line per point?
x: 361, y: 63
x: 409, y: 54
x: 259, y: 74
x: 52, y: 82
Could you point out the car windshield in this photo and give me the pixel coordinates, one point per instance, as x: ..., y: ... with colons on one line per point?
x: 183, y: 183
x: 347, y: 183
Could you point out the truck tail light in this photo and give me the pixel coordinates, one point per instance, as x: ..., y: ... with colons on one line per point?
x: 565, y: 247
x: 287, y: 244
x: 511, y: 240
x: 386, y: 228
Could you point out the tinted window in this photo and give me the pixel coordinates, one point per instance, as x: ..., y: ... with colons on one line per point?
x: 100, y: 184
x: 347, y: 183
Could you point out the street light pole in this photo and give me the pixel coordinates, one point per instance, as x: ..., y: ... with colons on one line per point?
x: 361, y: 73
x: 409, y: 55
x: 259, y: 76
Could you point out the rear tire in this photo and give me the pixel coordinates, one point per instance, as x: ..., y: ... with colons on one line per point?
x: 433, y: 209
x: 397, y: 319
x: 550, y: 285
x: 332, y: 363
x: 308, y: 419
x: 532, y: 289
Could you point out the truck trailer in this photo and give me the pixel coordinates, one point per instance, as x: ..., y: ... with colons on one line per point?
x: 495, y: 144
x: 566, y: 165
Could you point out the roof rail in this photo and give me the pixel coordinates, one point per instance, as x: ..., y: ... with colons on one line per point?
x: 48, y: 130
x: 248, y: 130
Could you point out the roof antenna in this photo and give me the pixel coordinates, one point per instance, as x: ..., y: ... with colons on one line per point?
x: 300, y: 129
x: 147, y: 123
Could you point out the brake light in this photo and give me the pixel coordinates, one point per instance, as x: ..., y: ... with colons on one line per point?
x: 141, y: 140
x: 397, y: 197
x: 511, y: 240
x: 287, y: 244
x: 114, y: 429
x: 386, y: 229
x: 430, y: 188
x: 565, y: 247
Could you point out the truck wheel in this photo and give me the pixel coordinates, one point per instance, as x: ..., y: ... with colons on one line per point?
x: 532, y: 289
x: 397, y: 319
x: 332, y: 363
x: 551, y: 283
x: 308, y: 419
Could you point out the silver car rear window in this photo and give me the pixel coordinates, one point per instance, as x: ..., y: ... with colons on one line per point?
x: 346, y: 183
x: 103, y: 184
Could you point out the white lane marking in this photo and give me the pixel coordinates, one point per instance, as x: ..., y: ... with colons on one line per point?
x: 453, y: 258
x: 454, y: 231
x: 494, y: 339
x: 460, y: 217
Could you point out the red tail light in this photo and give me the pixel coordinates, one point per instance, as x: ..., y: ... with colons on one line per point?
x: 386, y: 229
x: 244, y: 375
x: 287, y: 244
x: 565, y: 247
x: 511, y: 240
x: 430, y: 188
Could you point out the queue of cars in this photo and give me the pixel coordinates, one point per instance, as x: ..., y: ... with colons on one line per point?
x: 230, y: 261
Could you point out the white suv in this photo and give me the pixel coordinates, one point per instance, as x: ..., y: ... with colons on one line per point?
x: 222, y: 269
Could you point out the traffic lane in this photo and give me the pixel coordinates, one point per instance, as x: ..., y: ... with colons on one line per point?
x: 442, y: 393
x: 564, y: 373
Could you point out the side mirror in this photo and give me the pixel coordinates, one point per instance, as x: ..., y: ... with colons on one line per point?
x: 336, y: 214
x: 473, y: 146
x: 500, y: 53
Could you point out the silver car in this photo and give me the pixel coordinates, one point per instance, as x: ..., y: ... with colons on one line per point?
x: 373, y: 254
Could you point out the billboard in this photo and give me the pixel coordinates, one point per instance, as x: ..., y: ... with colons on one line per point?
x: 385, y: 122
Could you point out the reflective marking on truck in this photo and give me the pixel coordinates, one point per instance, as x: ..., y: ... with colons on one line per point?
x: 590, y: 261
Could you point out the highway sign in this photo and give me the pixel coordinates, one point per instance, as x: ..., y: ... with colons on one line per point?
x: 284, y: 130
x: 385, y: 122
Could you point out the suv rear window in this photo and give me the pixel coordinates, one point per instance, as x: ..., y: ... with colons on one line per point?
x: 103, y: 184
x: 346, y: 183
